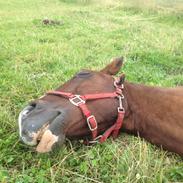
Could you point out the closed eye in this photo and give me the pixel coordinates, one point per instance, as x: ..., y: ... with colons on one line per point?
x: 84, y: 74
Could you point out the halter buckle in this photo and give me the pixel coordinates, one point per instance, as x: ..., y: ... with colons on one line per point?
x: 77, y: 100
x: 89, y: 123
x: 121, y: 108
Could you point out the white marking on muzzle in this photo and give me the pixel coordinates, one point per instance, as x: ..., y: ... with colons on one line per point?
x: 22, y: 113
x: 47, y: 141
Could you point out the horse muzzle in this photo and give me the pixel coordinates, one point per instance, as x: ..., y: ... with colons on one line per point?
x: 42, y: 127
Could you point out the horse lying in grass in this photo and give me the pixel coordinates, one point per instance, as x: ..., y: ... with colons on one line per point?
x: 94, y: 105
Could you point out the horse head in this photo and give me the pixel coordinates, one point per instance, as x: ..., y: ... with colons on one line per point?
x: 46, y: 121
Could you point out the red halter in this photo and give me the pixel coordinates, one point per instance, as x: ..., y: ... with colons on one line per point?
x: 80, y: 101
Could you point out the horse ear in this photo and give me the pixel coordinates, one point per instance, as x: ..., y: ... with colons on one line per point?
x: 114, y: 67
x: 121, y: 79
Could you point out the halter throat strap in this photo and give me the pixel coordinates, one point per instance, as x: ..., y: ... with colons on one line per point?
x: 80, y: 101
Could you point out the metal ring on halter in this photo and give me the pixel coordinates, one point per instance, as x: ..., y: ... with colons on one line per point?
x: 95, y: 140
x: 118, y: 86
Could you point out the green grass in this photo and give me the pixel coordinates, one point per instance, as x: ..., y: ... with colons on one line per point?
x: 35, y: 58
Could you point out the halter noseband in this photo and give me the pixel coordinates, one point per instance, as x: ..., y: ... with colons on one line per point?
x: 80, y: 101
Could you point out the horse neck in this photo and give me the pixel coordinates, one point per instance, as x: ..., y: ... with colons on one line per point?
x: 142, y: 102
x: 155, y: 114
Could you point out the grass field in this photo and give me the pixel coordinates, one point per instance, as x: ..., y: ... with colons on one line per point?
x: 35, y: 58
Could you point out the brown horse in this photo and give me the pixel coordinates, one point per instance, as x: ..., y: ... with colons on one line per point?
x: 153, y: 113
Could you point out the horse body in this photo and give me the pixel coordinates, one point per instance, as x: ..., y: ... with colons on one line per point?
x: 156, y: 114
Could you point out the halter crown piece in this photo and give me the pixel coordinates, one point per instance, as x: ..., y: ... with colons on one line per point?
x: 80, y: 101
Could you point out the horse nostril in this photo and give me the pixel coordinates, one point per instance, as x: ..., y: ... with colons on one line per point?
x: 36, y: 105
x: 33, y: 104
x: 25, y: 132
x: 58, y: 113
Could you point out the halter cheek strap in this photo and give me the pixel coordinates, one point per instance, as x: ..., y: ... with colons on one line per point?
x: 80, y: 101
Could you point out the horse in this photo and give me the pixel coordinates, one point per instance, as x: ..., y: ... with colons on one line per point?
x: 93, y: 105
